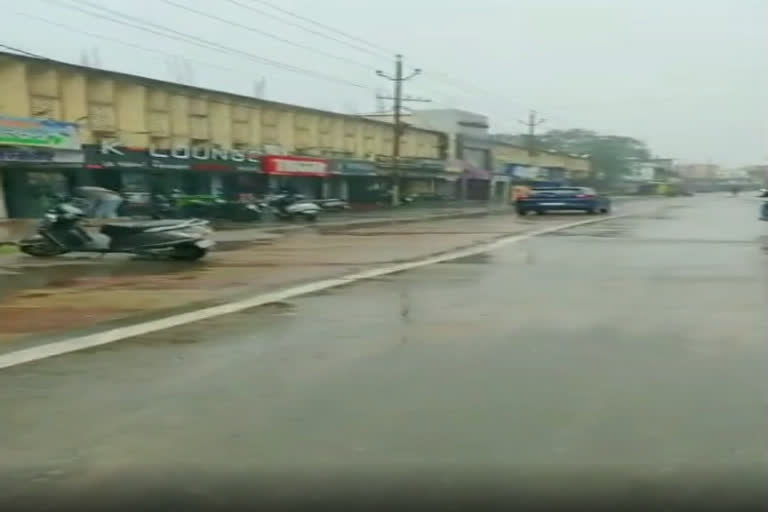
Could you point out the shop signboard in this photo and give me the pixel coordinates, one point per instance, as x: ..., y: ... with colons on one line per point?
x: 31, y: 155
x: 123, y: 158
x: 524, y: 172
x: 182, y: 158
x: 295, y: 166
x: 423, y: 164
x: 42, y: 133
x: 353, y: 167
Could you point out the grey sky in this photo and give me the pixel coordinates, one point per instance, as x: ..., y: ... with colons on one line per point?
x: 689, y: 77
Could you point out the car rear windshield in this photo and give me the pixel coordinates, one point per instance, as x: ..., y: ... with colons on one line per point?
x: 562, y: 191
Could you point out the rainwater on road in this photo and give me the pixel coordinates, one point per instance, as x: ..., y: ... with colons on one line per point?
x: 634, y: 346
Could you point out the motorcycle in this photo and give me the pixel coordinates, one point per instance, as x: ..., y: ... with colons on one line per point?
x: 291, y: 207
x: 204, y: 207
x: 163, y: 207
x: 60, y: 232
x: 238, y: 212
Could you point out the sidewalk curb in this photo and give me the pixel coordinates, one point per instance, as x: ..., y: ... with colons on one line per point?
x: 362, y: 223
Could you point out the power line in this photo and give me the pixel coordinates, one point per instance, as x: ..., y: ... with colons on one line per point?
x: 322, y: 25
x: 23, y: 52
x: 177, y: 91
x: 180, y: 36
x: 265, y: 33
x: 225, y: 48
x: 309, y: 30
x: 459, y: 85
x: 447, y: 79
x: 120, y: 41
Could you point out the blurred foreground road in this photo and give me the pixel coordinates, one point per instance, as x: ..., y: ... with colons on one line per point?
x: 631, y: 348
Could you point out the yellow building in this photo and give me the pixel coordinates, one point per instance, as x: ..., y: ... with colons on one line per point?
x: 132, y: 128
x: 540, y: 164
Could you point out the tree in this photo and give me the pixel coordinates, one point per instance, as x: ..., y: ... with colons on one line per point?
x: 611, y: 155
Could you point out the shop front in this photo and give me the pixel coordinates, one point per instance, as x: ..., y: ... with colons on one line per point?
x: 357, y: 181
x: 140, y: 172
x: 418, y: 176
x: 39, y: 159
x: 474, y: 183
x: 296, y: 174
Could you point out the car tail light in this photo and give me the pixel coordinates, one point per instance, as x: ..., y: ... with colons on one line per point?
x: 586, y: 196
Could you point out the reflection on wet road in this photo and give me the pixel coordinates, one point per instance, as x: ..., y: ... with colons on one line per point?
x: 636, y: 344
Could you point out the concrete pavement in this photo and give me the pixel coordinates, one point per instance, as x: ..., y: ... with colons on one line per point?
x: 625, y: 358
x: 45, y: 297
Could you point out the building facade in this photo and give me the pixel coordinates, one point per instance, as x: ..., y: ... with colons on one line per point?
x: 480, y: 165
x: 140, y: 136
x: 468, y: 173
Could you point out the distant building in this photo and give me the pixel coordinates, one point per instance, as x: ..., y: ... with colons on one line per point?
x: 486, y: 164
x: 697, y: 171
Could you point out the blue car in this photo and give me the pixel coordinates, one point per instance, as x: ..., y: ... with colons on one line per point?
x: 546, y: 199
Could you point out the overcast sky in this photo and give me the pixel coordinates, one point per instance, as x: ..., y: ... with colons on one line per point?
x: 689, y: 77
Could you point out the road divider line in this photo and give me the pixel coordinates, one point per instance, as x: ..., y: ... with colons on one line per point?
x: 74, y: 344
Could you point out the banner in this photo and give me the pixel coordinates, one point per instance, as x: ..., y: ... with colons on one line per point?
x: 43, y: 133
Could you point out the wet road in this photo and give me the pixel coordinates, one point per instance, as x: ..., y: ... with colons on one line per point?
x: 630, y: 347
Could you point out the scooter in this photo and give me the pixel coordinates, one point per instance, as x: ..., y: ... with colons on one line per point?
x: 60, y: 232
x: 292, y: 206
x: 332, y: 204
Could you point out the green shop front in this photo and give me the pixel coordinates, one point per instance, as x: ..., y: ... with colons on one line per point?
x: 357, y: 181
x: 418, y: 176
x: 39, y: 159
x: 140, y: 172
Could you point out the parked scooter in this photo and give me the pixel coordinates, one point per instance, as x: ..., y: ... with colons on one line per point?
x: 332, y: 204
x: 60, y: 232
x: 292, y: 206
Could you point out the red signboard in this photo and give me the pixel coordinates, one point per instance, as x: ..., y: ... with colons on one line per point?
x: 294, y: 165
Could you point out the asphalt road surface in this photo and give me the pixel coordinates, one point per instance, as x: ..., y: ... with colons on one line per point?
x: 621, y: 354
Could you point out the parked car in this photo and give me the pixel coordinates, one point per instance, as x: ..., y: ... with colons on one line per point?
x: 545, y: 199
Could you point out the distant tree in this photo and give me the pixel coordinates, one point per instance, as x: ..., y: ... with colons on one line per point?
x: 610, y: 154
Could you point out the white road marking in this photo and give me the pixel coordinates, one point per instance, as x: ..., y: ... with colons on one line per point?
x: 102, y: 338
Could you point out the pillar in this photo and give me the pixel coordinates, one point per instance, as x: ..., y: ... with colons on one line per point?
x: 344, y: 189
x: 3, y: 209
x: 326, y: 189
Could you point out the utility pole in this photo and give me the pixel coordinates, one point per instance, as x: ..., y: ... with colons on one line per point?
x: 532, y: 123
x: 398, y: 126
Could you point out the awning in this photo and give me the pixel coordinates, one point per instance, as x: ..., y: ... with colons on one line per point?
x: 470, y: 171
